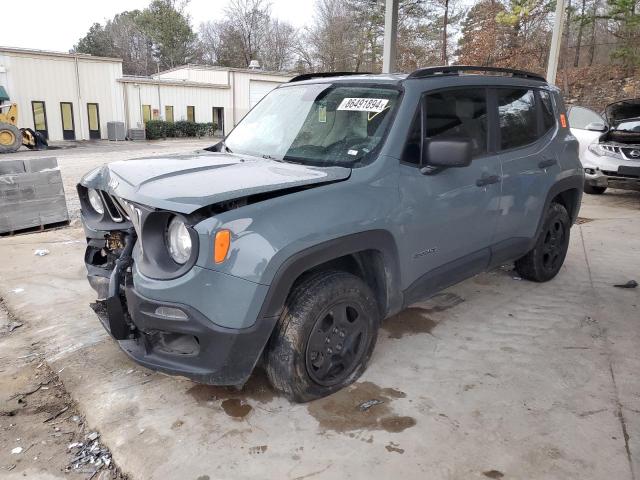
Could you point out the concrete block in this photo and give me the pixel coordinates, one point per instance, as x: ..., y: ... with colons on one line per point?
x: 11, y: 166
x: 39, y: 164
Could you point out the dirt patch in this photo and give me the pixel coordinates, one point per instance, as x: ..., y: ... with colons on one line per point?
x: 236, y: 408
x: 581, y: 220
x: 496, y: 474
x: 441, y: 302
x: 257, y: 388
x: 38, y: 423
x: 409, y: 322
x: 343, y: 411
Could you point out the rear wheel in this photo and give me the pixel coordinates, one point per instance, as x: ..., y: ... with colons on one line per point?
x: 544, y: 260
x: 593, y: 190
x: 10, y: 138
x: 324, y: 337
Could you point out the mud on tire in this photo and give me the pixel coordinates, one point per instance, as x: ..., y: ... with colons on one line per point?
x: 324, y: 337
x: 544, y: 260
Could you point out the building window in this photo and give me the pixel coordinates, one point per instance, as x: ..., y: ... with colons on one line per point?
x: 146, y: 113
x: 40, y: 118
x: 218, y: 120
x: 93, y: 115
x: 168, y: 113
x: 191, y: 113
x: 68, y: 127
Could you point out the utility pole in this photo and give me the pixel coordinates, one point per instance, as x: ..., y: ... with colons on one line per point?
x: 554, y: 51
x: 390, y: 36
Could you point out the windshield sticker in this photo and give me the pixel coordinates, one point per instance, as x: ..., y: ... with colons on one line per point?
x: 376, y: 105
x: 352, y: 152
x: 322, y: 114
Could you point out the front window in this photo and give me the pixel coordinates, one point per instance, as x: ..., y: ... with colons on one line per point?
x: 317, y: 124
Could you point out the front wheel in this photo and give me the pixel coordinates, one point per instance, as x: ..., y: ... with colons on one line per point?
x: 324, y: 337
x: 544, y: 260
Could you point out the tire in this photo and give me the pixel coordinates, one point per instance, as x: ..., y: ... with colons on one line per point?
x: 544, y: 260
x: 593, y: 190
x: 10, y: 138
x: 311, y: 327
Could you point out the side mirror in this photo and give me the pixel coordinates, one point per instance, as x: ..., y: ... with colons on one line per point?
x: 596, y: 127
x: 450, y: 153
x: 215, y: 148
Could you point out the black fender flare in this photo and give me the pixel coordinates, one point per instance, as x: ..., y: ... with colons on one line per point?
x: 573, y: 182
x: 304, y: 260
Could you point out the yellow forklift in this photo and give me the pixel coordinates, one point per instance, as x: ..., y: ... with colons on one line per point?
x: 12, y: 137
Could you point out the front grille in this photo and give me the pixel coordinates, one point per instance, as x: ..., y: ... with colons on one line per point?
x: 628, y: 153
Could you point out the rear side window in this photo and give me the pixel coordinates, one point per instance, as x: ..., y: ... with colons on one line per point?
x: 518, y: 118
x: 546, y: 109
x: 459, y: 114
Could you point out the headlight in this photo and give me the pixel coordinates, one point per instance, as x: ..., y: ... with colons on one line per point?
x: 178, y: 241
x: 96, y: 201
x: 600, y: 150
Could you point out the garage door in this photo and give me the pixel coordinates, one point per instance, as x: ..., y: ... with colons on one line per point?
x: 258, y: 89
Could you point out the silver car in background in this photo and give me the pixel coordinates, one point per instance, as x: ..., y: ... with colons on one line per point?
x: 609, y: 145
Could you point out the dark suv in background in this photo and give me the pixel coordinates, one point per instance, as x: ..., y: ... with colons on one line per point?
x: 335, y: 203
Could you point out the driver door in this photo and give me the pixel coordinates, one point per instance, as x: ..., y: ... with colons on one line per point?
x: 449, y: 216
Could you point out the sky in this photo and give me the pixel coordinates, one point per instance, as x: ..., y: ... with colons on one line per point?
x: 58, y: 24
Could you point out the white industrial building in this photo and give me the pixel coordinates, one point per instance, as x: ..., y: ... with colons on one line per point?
x: 73, y: 96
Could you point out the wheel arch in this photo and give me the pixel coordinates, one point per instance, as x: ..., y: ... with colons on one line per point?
x: 372, y: 255
x: 567, y: 192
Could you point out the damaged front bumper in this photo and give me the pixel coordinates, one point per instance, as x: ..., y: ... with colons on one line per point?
x: 178, y: 338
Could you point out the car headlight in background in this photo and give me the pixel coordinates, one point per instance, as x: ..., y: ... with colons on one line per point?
x: 96, y: 201
x: 179, y: 241
x: 601, y: 150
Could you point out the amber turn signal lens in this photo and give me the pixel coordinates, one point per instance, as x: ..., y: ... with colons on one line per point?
x: 563, y: 120
x: 221, y: 245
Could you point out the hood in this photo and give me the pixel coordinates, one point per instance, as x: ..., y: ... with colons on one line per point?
x: 622, y: 110
x: 185, y: 183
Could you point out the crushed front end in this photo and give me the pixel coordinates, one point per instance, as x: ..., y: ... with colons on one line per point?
x: 178, y: 318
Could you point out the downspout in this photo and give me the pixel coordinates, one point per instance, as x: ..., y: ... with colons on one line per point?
x: 125, y: 90
x: 159, y: 102
x: 79, y: 95
x: 232, y: 81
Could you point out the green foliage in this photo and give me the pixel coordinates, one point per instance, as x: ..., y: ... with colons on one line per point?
x: 156, y: 129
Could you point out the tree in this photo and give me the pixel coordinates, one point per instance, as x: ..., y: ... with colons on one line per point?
x: 96, y: 42
x: 484, y: 39
x: 168, y: 27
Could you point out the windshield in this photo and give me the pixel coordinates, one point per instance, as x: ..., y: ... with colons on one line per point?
x: 316, y: 124
x: 629, y: 126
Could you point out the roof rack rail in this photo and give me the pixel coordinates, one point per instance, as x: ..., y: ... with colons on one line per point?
x: 309, y: 76
x: 459, y: 69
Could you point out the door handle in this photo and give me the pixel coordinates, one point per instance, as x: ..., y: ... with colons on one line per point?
x: 547, y: 162
x: 487, y: 180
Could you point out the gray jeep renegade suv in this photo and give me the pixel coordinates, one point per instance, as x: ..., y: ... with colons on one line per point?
x: 335, y: 203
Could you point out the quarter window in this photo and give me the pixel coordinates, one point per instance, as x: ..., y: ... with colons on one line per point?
x: 518, y: 119
x: 459, y: 114
x: 546, y: 108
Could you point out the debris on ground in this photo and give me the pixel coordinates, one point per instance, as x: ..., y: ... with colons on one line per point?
x: 16, y: 451
x: 90, y: 456
x: 629, y: 284
x: 41, y: 252
x: 13, y: 325
x: 364, y: 406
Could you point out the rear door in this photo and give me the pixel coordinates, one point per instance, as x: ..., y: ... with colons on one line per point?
x: 529, y: 160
